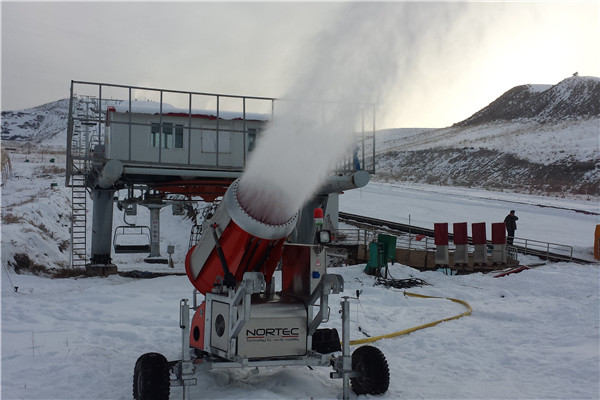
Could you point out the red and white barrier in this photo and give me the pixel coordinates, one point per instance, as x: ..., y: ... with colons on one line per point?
x: 442, y: 256
x: 479, y: 243
x: 499, y: 243
x: 461, y: 242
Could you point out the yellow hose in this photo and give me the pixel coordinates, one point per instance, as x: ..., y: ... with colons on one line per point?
x: 416, y: 328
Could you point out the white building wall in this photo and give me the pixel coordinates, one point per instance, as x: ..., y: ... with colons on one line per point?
x: 200, y: 143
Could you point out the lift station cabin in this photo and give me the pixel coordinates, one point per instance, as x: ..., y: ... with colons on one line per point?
x: 145, y: 147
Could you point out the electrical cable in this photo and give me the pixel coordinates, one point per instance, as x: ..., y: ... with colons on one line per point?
x: 416, y: 328
x: 401, y: 283
x: 398, y: 283
x: 360, y: 329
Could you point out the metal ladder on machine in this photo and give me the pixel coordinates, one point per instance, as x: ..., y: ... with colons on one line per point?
x: 195, y: 234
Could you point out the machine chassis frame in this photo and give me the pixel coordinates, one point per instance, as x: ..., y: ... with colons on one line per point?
x: 191, y: 363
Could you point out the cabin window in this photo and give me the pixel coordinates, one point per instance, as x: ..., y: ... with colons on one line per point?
x: 172, y: 136
x: 252, y: 134
x: 154, y: 134
x: 167, y: 135
x: 179, y: 136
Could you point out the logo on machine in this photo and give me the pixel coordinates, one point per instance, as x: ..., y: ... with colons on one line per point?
x: 273, y: 334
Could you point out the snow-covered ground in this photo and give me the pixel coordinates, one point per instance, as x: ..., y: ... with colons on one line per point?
x: 531, y: 335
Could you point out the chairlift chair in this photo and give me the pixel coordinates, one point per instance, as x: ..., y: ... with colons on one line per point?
x: 124, y: 239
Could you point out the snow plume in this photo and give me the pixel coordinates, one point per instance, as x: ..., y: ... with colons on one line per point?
x: 344, y: 67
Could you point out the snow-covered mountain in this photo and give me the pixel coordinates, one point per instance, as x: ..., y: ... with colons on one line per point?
x: 45, y: 124
x: 540, y: 139
x: 573, y: 98
x: 533, y: 139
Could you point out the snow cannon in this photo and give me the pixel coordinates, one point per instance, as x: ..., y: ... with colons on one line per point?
x: 242, y: 321
x: 235, y: 242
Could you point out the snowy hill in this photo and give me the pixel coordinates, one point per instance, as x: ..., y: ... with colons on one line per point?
x: 573, y: 98
x: 45, y: 124
x: 533, y: 139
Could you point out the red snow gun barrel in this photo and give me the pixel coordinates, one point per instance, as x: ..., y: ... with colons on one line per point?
x: 235, y: 242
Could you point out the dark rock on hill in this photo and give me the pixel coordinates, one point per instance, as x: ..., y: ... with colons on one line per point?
x: 574, y: 97
x: 492, y: 170
x: 36, y: 125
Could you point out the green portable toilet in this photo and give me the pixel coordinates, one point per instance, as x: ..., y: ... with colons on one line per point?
x: 380, y: 253
x: 373, y: 263
x: 389, y: 247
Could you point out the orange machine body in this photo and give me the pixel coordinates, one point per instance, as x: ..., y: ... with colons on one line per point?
x: 236, y: 242
x: 197, y: 331
x: 243, y: 253
x: 245, y: 243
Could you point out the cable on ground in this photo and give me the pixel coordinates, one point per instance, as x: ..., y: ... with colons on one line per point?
x: 400, y: 283
x: 416, y: 328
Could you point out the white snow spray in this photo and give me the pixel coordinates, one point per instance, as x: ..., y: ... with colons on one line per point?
x: 355, y: 61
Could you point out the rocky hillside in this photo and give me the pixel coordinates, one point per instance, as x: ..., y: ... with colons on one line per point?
x: 573, y: 98
x: 539, y: 139
x: 45, y: 124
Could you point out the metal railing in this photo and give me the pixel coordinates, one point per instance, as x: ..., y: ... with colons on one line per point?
x: 363, y: 236
x: 352, y: 236
x: 545, y: 250
x: 411, y: 241
x: 89, y: 102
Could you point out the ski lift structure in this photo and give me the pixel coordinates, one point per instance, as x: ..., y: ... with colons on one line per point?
x: 170, y: 144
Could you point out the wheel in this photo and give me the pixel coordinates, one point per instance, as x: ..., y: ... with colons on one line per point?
x: 373, y: 366
x: 151, y: 377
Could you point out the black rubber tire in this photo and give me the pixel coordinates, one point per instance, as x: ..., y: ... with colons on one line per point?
x: 151, y: 379
x: 373, y: 366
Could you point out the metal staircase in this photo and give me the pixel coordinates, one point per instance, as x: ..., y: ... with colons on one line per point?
x: 78, y: 221
x: 84, y: 134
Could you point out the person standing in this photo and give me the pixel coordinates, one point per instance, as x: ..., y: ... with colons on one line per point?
x: 511, y: 226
